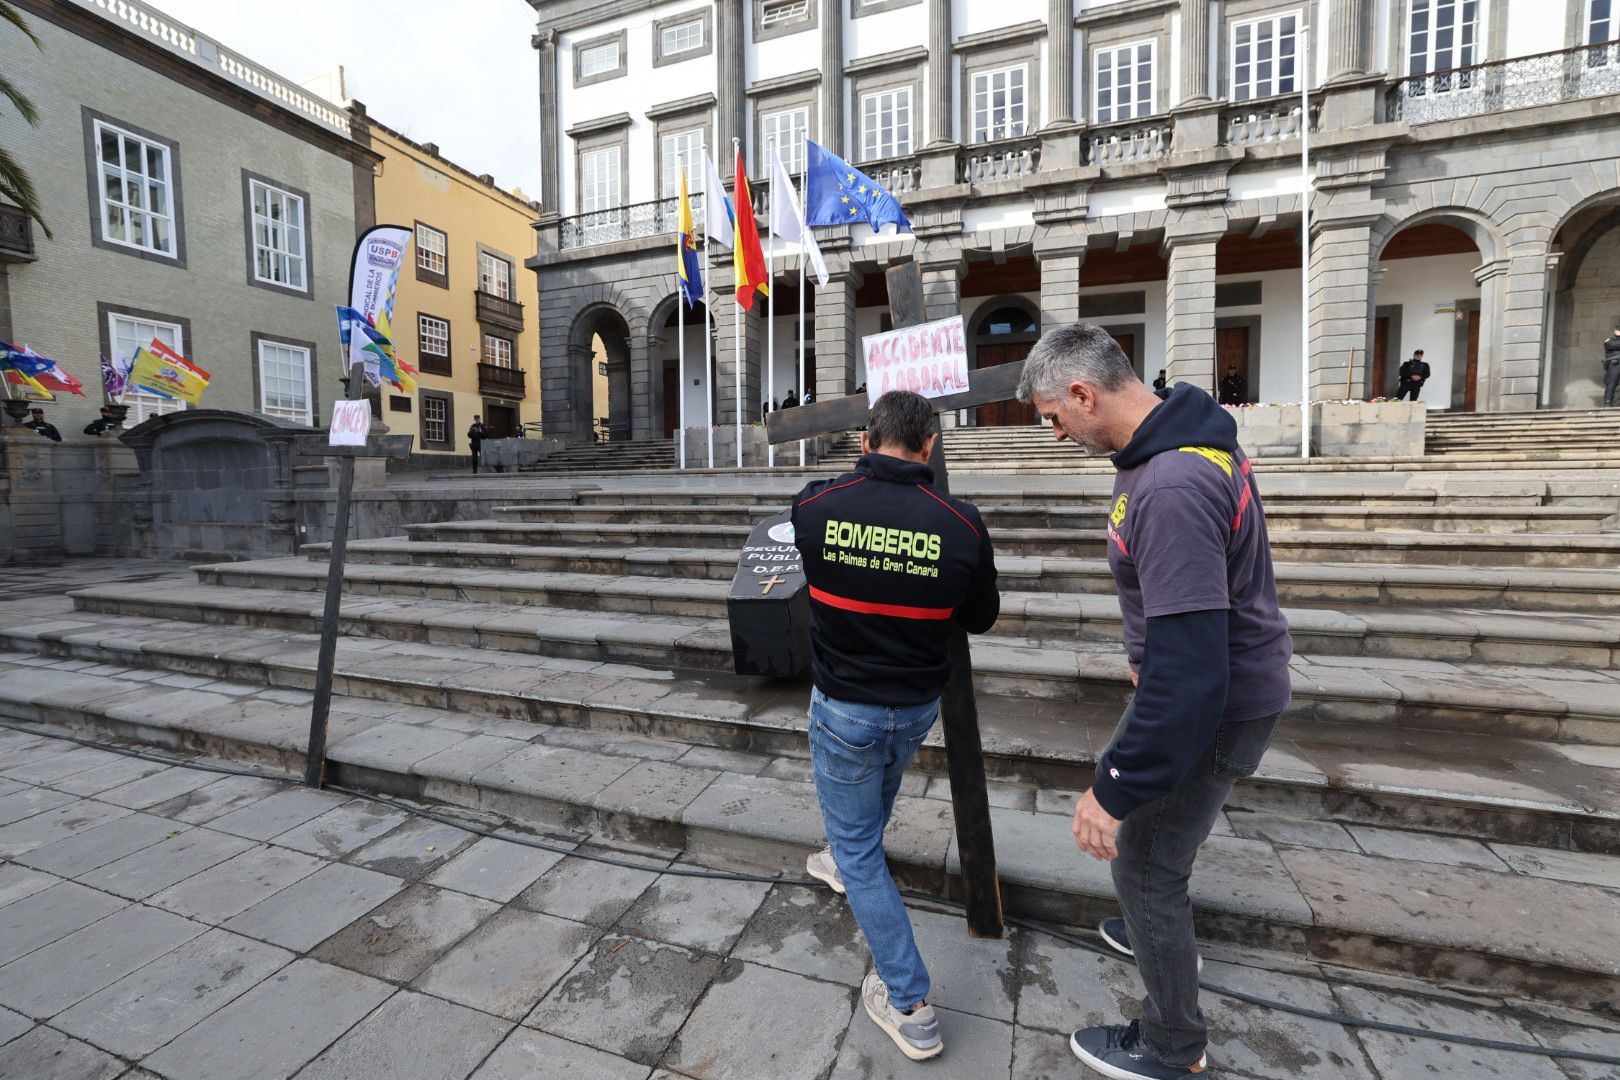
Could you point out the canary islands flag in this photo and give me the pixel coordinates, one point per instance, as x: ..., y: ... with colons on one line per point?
x: 837, y: 193
x: 164, y: 372
x: 691, y: 277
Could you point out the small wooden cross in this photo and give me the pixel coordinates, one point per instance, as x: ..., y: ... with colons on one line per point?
x: 959, y: 714
x: 771, y: 582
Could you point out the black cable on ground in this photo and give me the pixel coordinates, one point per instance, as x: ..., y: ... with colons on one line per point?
x: 724, y: 875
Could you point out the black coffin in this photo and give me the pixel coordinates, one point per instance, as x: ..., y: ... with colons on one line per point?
x: 769, y: 604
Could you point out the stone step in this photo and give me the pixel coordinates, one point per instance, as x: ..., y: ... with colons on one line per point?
x: 1430, y: 633
x: 1316, y: 887
x: 1554, y: 703
x: 1280, y: 517
x: 1552, y: 550
x: 1511, y: 588
x: 770, y: 497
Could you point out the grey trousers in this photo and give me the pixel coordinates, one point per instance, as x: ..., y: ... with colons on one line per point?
x: 1158, y: 844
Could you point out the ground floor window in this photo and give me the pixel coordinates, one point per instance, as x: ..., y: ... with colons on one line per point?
x: 284, y: 382
x: 128, y: 333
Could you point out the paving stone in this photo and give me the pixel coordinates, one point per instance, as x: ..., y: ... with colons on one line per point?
x: 43, y: 917
x: 273, y: 1029
x: 72, y: 968
x: 141, y: 873
x: 403, y: 936
x: 1041, y: 1055
x: 12, y: 1024
x: 414, y: 849
x: 527, y: 1054
x: 236, y: 884
x: 79, y: 854
x: 1004, y: 795
x: 105, y: 777
x: 736, y: 1030
x: 394, y: 747
x: 806, y: 931
x: 77, y: 816
x: 506, y: 965
x: 161, y: 786
x: 466, y: 758
x: 151, y: 1005
x: 1564, y: 865
x: 1266, y: 1042
x: 1425, y: 848
x: 975, y: 1047
x: 654, y: 790
x: 700, y: 913
x: 968, y: 975
x: 1299, y: 832
x: 496, y: 869
x: 589, y: 892
x: 30, y: 801
x: 170, y: 710
x: 275, y: 814
x: 627, y: 996
x: 1583, y: 1038
x: 1405, y: 1055
x: 17, y: 882
x: 215, y: 800
x: 51, y: 769
x: 314, y: 908
x: 412, y: 1037
x: 341, y: 829
x: 43, y: 1054
x: 1061, y: 987
x: 721, y: 760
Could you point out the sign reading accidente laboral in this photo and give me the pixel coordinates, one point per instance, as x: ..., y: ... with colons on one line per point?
x: 929, y: 359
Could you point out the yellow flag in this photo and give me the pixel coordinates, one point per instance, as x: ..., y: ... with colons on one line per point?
x: 167, y: 373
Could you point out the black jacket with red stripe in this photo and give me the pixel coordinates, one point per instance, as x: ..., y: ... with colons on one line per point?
x: 893, y: 567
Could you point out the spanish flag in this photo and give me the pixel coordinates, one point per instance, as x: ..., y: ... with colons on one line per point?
x: 748, y: 260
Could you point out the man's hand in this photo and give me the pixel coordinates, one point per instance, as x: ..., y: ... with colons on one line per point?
x: 1094, y: 828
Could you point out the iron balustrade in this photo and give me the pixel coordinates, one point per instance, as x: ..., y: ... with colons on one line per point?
x: 1500, y: 85
x: 16, y: 233
x: 619, y: 223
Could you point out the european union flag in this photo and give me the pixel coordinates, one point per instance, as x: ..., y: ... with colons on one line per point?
x: 838, y: 193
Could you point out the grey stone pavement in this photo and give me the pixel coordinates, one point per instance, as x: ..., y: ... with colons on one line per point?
x: 160, y: 921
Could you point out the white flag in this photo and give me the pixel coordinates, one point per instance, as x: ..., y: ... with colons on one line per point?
x: 787, y: 218
x: 716, y: 207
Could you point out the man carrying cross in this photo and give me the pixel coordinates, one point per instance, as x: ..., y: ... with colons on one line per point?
x: 893, y: 567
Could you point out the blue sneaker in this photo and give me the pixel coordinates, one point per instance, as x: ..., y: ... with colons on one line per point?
x: 1116, y: 937
x: 1120, y: 1054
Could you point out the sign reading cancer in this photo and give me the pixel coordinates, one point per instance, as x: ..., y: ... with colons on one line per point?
x: 929, y: 359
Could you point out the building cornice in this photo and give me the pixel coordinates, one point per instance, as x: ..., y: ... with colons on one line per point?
x: 1001, y: 35
x: 795, y: 81
x: 601, y: 123
x: 564, y: 16
x: 883, y: 61
x: 695, y: 103
x: 425, y: 153
x: 1125, y: 9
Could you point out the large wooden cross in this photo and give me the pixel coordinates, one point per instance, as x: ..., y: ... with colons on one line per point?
x: 959, y: 714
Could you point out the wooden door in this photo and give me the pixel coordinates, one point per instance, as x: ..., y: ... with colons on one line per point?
x: 672, y: 401
x: 1380, y: 364
x: 501, y: 421
x: 1127, y: 345
x: 1004, y: 413
x: 1232, y: 350
x: 1471, y: 373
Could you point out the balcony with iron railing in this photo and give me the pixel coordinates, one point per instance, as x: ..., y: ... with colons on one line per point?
x: 634, y: 222
x: 498, y: 310
x: 16, y: 235
x: 500, y: 381
x: 1501, y: 85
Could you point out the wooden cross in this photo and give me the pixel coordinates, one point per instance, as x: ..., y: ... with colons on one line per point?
x: 959, y: 714
x: 770, y: 583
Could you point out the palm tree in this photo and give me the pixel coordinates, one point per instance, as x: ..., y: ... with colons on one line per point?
x: 14, y: 182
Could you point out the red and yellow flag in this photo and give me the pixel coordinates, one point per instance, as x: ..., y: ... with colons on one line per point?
x: 748, y: 259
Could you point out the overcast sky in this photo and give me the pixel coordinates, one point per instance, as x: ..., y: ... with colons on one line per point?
x: 459, y: 73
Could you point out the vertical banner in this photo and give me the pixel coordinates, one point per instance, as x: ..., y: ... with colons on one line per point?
x: 373, y: 275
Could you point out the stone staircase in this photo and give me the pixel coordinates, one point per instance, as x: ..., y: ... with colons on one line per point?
x: 1592, y: 431
x: 637, y: 455
x: 1448, y: 764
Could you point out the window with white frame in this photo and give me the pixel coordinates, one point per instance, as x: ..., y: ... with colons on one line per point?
x: 433, y: 336
x: 136, y: 191
x: 432, y: 247
x: 284, y: 382
x: 278, y: 236
x: 886, y: 123
x: 682, y: 37
x: 1444, y: 34
x: 128, y: 333
x: 773, y: 12
x: 599, y: 59
x: 435, y: 419
x: 1263, y: 56
x: 1000, y: 103
x: 786, y: 130
x: 498, y: 351
x: 1123, y: 81
x: 599, y: 179
x: 1600, y: 22
x: 494, y: 275
x: 676, y: 150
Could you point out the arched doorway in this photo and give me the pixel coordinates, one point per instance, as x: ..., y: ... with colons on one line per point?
x: 599, y: 377
x: 693, y: 384
x: 1004, y: 334
x: 1586, y: 306
x: 1428, y: 297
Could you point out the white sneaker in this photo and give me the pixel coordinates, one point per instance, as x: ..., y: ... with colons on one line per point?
x: 821, y: 867
x: 916, y: 1033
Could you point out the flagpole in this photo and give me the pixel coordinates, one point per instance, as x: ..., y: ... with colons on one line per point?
x: 1305, y: 243
x: 708, y: 333
x: 742, y: 313
x: 680, y: 327
x: 770, y: 310
x: 804, y: 227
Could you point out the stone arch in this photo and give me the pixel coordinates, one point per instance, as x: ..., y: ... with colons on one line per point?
x: 608, y: 323
x: 1475, y: 224
x: 1585, y: 300
x: 987, y: 348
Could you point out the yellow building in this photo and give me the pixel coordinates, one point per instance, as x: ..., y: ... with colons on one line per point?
x: 466, y: 312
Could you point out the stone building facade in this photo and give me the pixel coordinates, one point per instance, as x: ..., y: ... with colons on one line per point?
x: 192, y: 195
x: 1136, y: 163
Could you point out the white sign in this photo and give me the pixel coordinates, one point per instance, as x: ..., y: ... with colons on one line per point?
x: 351, y: 422
x: 930, y: 359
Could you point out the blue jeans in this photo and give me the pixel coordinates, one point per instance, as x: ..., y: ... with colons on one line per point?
x: 859, y: 753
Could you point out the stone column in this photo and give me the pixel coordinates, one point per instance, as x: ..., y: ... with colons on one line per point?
x: 1060, y: 286
x: 1347, y: 50
x: 1512, y: 329
x: 545, y: 43
x: 1060, y: 62
x: 836, y: 337
x: 647, y: 386
x: 728, y: 360
x: 942, y: 285
x: 832, y: 76
x: 1189, y: 300
x: 1340, y: 305
x: 1194, y: 52
x: 941, y: 65
x: 730, y: 119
